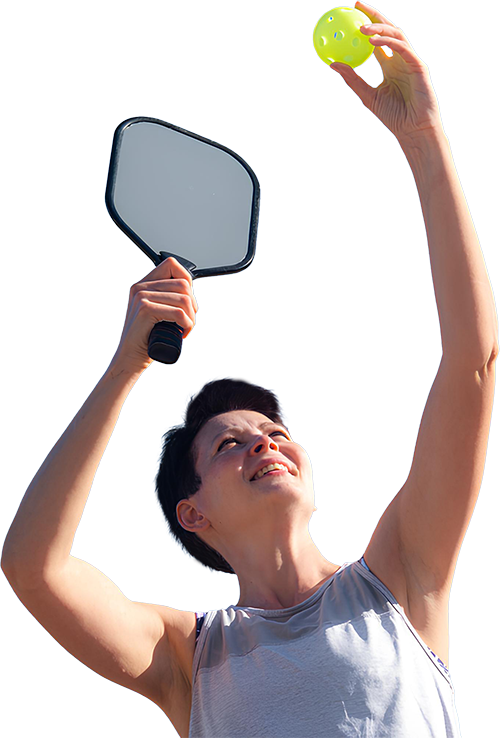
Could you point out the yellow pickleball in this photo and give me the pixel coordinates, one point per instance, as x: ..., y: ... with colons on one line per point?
x: 337, y: 37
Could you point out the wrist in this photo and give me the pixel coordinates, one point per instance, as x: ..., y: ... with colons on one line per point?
x: 122, y: 371
x: 430, y: 159
x: 424, y: 144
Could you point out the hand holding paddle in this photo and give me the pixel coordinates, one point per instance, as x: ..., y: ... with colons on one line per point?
x: 165, y: 294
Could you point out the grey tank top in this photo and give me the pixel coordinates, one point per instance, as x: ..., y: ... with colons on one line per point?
x: 345, y: 663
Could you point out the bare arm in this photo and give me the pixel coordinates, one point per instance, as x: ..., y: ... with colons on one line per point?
x: 43, y: 530
x: 466, y: 307
x: 407, y: 105
x: 427, y: 521
x: 42, y: 533
x: 133, y: 644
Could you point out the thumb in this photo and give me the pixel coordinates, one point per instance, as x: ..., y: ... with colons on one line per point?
x: 356, y: 83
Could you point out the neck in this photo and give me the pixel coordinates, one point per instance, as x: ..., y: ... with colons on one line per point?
x: 281, y: 574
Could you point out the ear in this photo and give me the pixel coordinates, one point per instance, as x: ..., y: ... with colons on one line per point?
x: 189, y: 517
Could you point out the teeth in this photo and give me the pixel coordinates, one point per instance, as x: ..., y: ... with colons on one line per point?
x: 270, y: 467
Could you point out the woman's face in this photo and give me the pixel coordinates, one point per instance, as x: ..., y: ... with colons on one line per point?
x: 231, y: 450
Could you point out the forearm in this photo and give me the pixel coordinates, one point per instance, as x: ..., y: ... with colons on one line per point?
x: 43, y: 530
x: 466, y: 307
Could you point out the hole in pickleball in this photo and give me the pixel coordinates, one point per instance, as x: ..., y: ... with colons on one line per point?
x: 330, y: 19
x: 323, y: 41
x: 355, y: 42
x: 338, y: 35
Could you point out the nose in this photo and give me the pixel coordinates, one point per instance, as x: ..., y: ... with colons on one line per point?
x: 263, y: 443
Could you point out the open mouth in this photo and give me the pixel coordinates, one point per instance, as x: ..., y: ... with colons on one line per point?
x: 269, y: 469
x: 269, y: 474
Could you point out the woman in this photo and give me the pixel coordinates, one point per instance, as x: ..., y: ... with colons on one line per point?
x: 311, y: 648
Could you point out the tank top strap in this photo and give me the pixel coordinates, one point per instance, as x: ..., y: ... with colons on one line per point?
x: 200, y: 617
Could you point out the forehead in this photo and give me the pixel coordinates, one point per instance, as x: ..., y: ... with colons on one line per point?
x: 235, y: 419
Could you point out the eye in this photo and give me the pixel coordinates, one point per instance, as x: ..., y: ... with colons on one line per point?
x: 225, y: 441
x: 234, y: 439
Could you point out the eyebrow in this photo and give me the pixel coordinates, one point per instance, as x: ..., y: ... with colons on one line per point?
x: 233, y: 428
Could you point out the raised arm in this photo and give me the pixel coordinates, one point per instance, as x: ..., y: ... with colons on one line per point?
x: 433, y: 509
x: 42, y: 532
x: 75, y: 602
x: 407, y: 105
x: 425, y: 524
x: 465, y: 303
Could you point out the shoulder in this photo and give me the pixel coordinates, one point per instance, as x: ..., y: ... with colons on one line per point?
x: 180, y: 630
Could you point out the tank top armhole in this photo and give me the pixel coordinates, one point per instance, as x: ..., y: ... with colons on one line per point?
x: 363, y: 563
x: 434, y: 657
x: 200, y: 617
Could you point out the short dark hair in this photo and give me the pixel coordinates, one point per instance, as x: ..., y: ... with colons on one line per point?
x: 177, y: 478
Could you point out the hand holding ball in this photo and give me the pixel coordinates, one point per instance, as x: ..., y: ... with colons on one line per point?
x: 337, y: 37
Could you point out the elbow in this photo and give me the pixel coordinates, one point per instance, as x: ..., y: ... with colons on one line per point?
x: 486, y: 373
x: 19, y: 580
x: 488, y: 366
x: 8, y: 569
x: 8, y: 556
x: 493, y: 355
x: 486, y: 355
x: 15, y: 574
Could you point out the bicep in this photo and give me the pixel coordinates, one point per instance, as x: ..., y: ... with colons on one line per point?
x: 126, y: 642
x: 438, y: 499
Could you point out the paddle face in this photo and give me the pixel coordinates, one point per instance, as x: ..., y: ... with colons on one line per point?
x: 175, y: 193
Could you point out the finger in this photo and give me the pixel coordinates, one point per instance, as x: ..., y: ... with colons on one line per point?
x: 363, y: 90
x: 171, y: 269
x: 377, y: 30
x: 401, y: 47
x: 373, y: 14
x: 171, y: 314
x: 382, y: 29
x: 178, y: 271
x: 173, y: 299
x: 168, y: 269
x: 380, y: 33
x: 165, y: 286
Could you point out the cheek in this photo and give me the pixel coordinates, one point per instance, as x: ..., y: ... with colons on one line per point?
x: 228, y: 463
x: 228, y: 471
x: 304, y: 463
x: 301, y: 454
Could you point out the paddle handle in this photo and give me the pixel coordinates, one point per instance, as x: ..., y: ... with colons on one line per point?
x: 165, y: 342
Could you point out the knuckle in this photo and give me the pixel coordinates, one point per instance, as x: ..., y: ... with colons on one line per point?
x: 182, y: 318
x: 185, y: 301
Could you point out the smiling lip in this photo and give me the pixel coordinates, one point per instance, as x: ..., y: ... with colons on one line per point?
x: 266, y: 462
x: 269, y: 473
